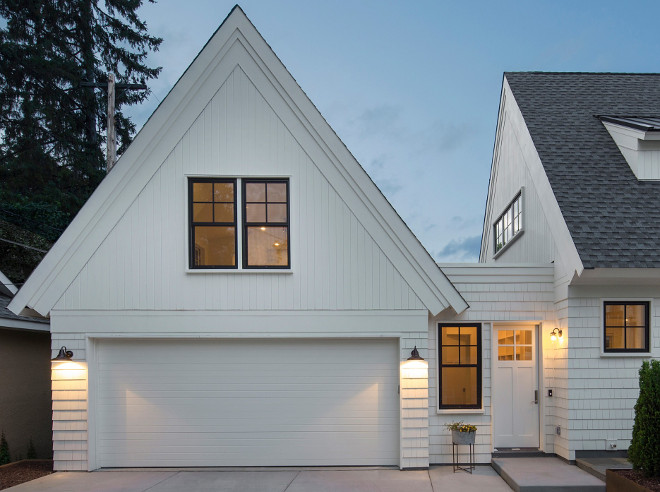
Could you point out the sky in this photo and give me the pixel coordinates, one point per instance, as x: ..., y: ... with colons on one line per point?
x: 413, y: 88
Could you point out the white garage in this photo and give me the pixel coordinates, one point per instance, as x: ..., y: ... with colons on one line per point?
x: 247, y: 402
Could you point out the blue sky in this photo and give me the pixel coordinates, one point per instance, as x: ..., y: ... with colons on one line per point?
x: 412, y: 88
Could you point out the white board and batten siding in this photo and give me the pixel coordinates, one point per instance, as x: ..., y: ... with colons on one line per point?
x: 517, y: 167
x: 496, y: 293
x: 335, y: 263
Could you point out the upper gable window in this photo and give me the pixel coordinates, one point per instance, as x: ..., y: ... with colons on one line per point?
x: 626, y: 326
x: 215, y: 241
x: 509, y: 224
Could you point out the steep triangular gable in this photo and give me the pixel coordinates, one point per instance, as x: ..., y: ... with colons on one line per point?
x: 236, y: 43
x: 510, y: 119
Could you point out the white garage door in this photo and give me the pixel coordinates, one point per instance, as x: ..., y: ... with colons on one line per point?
x: 247, y: 403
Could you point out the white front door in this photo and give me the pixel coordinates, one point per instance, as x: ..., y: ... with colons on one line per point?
x: 515, y: 387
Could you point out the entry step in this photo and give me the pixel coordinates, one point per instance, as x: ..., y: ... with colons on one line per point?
x: 546, y: 474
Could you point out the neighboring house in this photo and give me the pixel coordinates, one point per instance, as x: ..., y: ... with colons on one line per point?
x: 238, y: 292
x: 25, y: 383
x: 574, y: 183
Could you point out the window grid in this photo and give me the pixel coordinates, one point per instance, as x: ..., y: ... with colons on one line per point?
x: 197, y: 203
x: 509, y: 224
x: 448, y: 364
x: 611, y: 326
x: 270, y: 204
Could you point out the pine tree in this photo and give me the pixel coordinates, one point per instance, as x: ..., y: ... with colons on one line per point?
x: 52, y: 127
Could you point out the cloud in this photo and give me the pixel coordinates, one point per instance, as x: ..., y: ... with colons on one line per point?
x: 464, y: 249
x: 381, y: 121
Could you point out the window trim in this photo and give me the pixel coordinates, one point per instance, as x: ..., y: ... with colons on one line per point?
x: 647, y: 328
x: 244, y: 223
x: 457, y: 408
x: 192, y: 223
x: 521, y: 229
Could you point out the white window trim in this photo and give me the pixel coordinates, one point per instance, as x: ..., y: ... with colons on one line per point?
x: 520, y: 232
x: 239, y: 218
x: 601, y: 327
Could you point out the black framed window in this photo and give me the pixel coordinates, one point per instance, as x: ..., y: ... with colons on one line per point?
x: 626, y: 326
x: 459, y: 365
x: 266, y: 223
x: 212, y: 219
x: 509, y: 224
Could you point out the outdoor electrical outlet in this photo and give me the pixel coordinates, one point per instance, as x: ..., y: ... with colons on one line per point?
x: 549, y: 392
x: 558, y: 430
x: 611, y: 445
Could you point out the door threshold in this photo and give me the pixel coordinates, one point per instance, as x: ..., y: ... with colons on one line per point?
x: 518, y: 453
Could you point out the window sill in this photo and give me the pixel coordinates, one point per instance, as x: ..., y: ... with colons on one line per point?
x: 625, y: 354
x: 239, y: 271
x: 460, y: 411
x: 506, y: 246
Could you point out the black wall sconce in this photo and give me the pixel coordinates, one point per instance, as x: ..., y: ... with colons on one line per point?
x: 64, y: 355
x: 414, y: 355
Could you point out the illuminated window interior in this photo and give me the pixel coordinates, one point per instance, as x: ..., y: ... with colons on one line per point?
x: 460, y: 366
x: 626, y: 326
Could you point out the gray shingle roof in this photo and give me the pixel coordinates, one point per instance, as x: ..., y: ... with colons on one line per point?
x: 7, y: 314
x: 614, y: 219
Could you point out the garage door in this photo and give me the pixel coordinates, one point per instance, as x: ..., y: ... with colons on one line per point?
x: 247, y: 403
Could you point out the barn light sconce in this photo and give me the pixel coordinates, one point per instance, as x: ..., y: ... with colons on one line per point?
x: 64, y: 355
x: 414, y: 354
x: 556, y: 334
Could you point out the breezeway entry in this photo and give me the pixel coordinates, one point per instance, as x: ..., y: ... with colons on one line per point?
x: 247, y: 402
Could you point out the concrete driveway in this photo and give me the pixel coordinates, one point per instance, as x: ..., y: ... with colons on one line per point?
x: 269, y: 480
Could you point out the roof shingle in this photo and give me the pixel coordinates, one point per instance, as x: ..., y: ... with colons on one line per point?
x: 613, y: 218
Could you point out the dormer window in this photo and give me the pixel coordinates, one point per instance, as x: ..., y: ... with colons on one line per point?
x: 509, y: 224
x: 638, y: 139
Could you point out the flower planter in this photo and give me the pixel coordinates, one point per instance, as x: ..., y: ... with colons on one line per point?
x: 618, y: 483
x: 458, y: 437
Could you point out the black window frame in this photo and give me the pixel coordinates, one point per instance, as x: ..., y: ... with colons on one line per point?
x: 192, y: 224
x: 647, y: 327
x: 478, y: 365
x: 515, y: 234
x: 245, y: 224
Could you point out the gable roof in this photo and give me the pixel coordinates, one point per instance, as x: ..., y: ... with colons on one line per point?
x: 613, y: 218
x: 166, y: 126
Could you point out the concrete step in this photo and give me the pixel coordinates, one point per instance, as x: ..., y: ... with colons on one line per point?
x: 597, y: 466
x: 546, y: 474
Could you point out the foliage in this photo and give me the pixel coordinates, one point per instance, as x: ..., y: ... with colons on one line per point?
x: 51, y: 126
x: 644, y: 451
x: 461, y: 427
x: 31, y: 451
x: 4, y: 450
x: 17, y: 262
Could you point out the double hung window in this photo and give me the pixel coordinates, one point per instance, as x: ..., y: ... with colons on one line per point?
x: 459, y: 367
x: 223, y: 236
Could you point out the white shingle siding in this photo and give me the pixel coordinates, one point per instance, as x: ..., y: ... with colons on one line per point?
x: 602, y: 389
x: 69, y: 391
x: 495, y: 293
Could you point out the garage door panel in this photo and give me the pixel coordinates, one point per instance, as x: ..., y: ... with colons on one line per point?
x: 250, y: 403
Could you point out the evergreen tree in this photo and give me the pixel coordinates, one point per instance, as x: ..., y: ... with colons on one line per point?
x: 4, y: 450
x: 51, y: 127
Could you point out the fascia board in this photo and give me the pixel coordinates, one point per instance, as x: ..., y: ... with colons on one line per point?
x: 373, y: 210
x: 119, y: 189
x: 7, y: 287
x: 497, y: 145
x: 560, y: 233
x: 17, y: 324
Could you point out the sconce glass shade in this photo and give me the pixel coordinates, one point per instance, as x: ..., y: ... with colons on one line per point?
x: 556, y: 333
x: 414, y: 355
x: 64, y: 355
